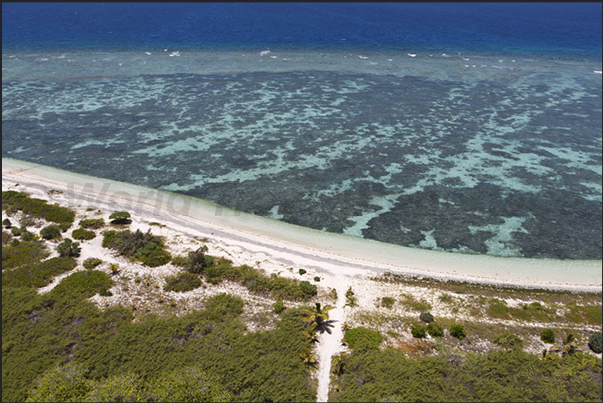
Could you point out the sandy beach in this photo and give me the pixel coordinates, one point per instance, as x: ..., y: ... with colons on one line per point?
x: 292, y: 245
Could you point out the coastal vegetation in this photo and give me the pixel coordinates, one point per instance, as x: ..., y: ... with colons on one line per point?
x: 72, y: 342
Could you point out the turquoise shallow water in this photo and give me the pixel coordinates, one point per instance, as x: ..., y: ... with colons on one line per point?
x: 442, y: 150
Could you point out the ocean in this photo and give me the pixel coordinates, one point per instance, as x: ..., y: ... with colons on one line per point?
x: 462, y: 127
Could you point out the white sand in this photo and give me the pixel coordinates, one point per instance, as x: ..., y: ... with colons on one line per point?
x: 276, y: 247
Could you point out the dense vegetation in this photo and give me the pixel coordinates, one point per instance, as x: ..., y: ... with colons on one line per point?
x: 142, y: 246
x: 216, y: 270
x: 12, y: 201
x: 504, y: 375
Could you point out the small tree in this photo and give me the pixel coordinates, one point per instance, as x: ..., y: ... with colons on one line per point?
x: 594, y: 342
x: 418, y: 331
x: 51, y: 232
x: 120, y: 217
x: 457, y: 331
x: 198, y: 261
x: 435, y: 330
x: 547, y: 336
x: 7, y: 224
x: 426, y: 317
x: 68, y: 248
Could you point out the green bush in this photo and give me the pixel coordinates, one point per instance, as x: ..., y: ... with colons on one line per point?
x: 594, y: 342
x: 156, y: 258
x: 350, y: 300
x: 191, y: 384
x: 83, y: 284
x: 279, y: 306
x: 60, y: 384
x: 387, y: 302
x: 92, y: 223
x: 182, y: 282
x: 104, y: 292
x: 418, y: 331
x: 27, y: 236
x: 457, y: 331
x: 120, y: 217
x: 426, y: 317
x: 38, y: 208
x: 198, y: 261
x: 435, y: 330
x: 547, y: 336
x: 508, y: 340
x: 91, y: 263
x: 307, y: 289
x: 6, y: 238
x: 23, y: 253
x: 51, y: 231
x: 68, y: 248
x: 363, y: 339
x: 302, y: 272
x: 15, y: 231
x: 37, y: 274
x: 83, y: 234
x: 225, y: 305
x: 126, y: 387
x: 317, y: 279
x: 6, y: 223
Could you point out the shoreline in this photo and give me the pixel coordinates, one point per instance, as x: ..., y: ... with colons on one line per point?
x: 294, y: 245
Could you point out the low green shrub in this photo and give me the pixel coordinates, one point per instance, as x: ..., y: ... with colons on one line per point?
x: 142, y: 246
x: 182, y: 282
x: 91, y: 263
x: 83, y: 234
x: 23, y: 253
x: 594, y: 342
x: 83, y: 284
x: 6, y: 238
x: 418, y: 331
x: 39, y: 208
x: 104, y: 292
x: 225, y: 305
x: 363, y: 339
x: 302, y: 272
x: 279, y: 306
x: 92, y: 223
x: 15, y: 231
x: 6, y: 223
x: 197, y: 261
x: 435, y: 330
x: 547, y: 336
x: 387, y: 302
x: 426, y: 317
x: 51, y: 231
x: 317, y: 279
x: 307, y: 289
x: 68, y: 248
x: 27, y: 236
x: 37, y: 274
x: 458, y: 331
x: 350, y: 300
x: 156, y: 258
x: 508, y: 340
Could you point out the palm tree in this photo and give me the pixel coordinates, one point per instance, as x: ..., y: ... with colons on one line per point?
x: 339, y: 363
x: 308, y: 357
x: 569, y: 345
x: 318, y: 317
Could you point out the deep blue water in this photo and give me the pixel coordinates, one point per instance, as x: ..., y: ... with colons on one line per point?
x: 561, y: 29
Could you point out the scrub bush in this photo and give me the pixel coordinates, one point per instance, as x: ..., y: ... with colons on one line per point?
x: 92, y: 223
x: 83, y: 234
x: 91, y: 263
x: 435, y: 330
x: 458, y: 331
x: 426, y: 317
x: 51, y: 231
x: 182, y: 282
x: 594, y: 342
x: 363, y: 339
x: 68, y: 248
x: 547, y: 336
x: 509, y: 340
x: 418, y: 331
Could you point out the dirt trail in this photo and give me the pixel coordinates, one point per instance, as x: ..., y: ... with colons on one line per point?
x: 330, y: 343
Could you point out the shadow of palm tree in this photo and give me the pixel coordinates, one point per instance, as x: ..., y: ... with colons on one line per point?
x: 326, y: 326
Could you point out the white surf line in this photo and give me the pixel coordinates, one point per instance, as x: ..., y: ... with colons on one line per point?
x: 343, y: 254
